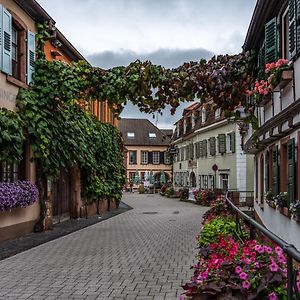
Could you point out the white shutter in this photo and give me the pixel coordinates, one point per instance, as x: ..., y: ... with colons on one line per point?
x: 30, y: 55
x: 7, y: 42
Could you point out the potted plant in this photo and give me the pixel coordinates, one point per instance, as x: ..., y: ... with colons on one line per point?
x: 295, y: 210
x: 281, y: 201
x: 269, y: 196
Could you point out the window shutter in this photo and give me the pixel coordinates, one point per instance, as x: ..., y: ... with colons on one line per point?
x: 162, y: 158
x: 232, y: 142
x: 271, y: 41
x: 222, y: 143
x: 204, y: 147
x: 275, y: 171
x: 1, y: 33
x: 297, y: 6
x: 267, y: 171
x: 292, y: 29
x: 291, y: 171
x: 212, y: 146
x: 191, y: 151
x: 7, y: 42
x: 260, y: 64
x: 30, y: 55
x: 150, y: 157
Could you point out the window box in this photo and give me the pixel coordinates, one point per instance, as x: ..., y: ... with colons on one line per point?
x: 285, y: 78
x: 284, y: 211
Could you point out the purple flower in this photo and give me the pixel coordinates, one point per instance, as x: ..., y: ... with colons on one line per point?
x: 278, y: 250
x: 272, y: 296
x: 273, y: 267
x: 259, y: 249
x: 243, y: 276
x: 298, y: 286
x: 17, y: 194
x: 238, y: 269
x: 281, y: 259
x: 246, y: 284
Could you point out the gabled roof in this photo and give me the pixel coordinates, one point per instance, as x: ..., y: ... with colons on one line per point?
x: 141, y: 128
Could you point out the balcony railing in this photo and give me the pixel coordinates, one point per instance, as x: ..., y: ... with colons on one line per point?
x: 292, y: 253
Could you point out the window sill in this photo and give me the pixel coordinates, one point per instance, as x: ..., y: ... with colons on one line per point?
x: 16, y: 82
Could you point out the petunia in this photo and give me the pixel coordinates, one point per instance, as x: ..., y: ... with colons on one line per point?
x: 272, y: 296
x: 243, y: 276
x: 246, y: 284
x: 273, y: 267
x: 238, y: 270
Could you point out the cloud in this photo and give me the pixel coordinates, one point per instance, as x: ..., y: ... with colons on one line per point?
x: 168, y: 58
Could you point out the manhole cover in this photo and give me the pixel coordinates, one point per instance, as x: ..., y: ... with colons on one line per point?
x: 176, y: 212
x: 150, y: 212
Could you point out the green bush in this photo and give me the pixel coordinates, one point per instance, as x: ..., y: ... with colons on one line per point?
x: 219, y: 226
x: 169, y: 191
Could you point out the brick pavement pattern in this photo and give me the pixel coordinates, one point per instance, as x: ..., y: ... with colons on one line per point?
x: 145, y: 253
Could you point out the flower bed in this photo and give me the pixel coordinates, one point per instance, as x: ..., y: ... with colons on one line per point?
x: 230, y: 268
x: 17, y: 194
x: 204, y: 197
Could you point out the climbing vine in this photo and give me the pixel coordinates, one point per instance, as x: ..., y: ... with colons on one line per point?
x: 11, y: 136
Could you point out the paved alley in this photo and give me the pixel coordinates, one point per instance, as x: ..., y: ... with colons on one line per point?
x: 144, y: 253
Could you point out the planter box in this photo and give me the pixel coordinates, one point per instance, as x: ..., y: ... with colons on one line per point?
x: 272, y: 204
x: 286, y: 77
x: 284, y: 211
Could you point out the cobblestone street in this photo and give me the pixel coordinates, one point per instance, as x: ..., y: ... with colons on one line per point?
x: 144, y: 253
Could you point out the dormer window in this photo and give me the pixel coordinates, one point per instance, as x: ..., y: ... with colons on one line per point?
x: 217, y: 113
x: 204, y: 115
x: 152, y: 135
x: 130, y: 135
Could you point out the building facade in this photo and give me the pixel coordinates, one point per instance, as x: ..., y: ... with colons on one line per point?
x: 17, y: 57
x: 146, y: 147
x: 209, y: 153
x: 274, y: 32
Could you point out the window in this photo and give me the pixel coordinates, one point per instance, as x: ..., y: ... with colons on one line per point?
x: 152, y: 135
x: 9, y: 172
x: 131, y: 176
x: 167, y: 158
x: 224, y: 181
x: 205, y: 181
x: 132, y: 157
x: 218, y: 113
x: 200, y: 181
x: 130, y: 135
x: 211, y: 181
x: 15, y: 52
x: 144, y: 157
x: 156, y: 158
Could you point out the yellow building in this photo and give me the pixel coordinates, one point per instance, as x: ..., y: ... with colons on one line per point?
x: 146, y: 149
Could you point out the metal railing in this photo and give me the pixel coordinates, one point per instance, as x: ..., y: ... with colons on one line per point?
x: 289, y: 249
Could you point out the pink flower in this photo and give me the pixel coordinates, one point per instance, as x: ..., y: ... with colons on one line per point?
x: 273, y: 267
x: 298, y: 286
x: 181, y: 297
x: 260, y: 249
x: 268, y: 249
x: 246, y: 284
x: 243, y: 276
x: 238, y: 270
x: 281, y: 259
x: 272, y: 296
x: 278, y: 250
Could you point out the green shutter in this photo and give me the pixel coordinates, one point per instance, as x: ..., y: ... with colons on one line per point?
x: 275, y: 171
x: 267, y: 170
x: 260, y: 64
x: 212, y: 146
x: 232, y: 141
x: 222, y: 143
x: 298, y: 25
x: 291, y: 170
x: 271, y: 41
x: 191, y: 151
x: 204, y: 147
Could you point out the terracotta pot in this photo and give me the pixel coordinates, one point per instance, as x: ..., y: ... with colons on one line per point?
x: 285, y: 211
x: 272, y: 204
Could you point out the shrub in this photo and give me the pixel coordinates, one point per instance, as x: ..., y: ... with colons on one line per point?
x: 220, y: 226
x: 169, y: 191
x: 17, y: 194
x: 281, y: 200
x: 141, y: 189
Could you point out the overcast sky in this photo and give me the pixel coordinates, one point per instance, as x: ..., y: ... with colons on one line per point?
x: 168, y: 32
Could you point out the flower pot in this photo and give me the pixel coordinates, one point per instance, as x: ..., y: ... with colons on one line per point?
x: 285, y: 211
x: 272, y: 204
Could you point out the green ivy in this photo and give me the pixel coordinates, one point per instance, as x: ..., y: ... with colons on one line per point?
x: 11, y: 136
